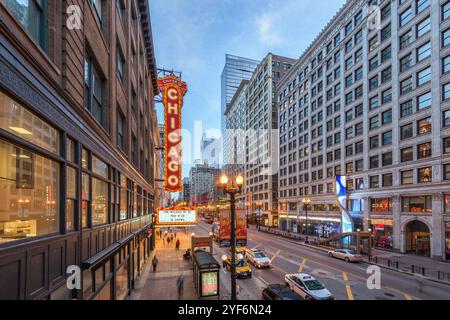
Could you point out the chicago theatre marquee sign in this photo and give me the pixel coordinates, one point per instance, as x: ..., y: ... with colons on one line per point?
x: 173, y: 91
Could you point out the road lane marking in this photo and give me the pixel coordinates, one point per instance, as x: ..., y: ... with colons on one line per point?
x: 348, y: 288
x: 276, y: 255
x: 300, y: 270
x: 256, y: 247
x: 345, y: 276
x: 407, y: 296
x: 349, y: 292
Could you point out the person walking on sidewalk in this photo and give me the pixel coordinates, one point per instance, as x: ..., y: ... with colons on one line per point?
x: 180, y: 285
x: 155, y: 263
x: 177, y: 244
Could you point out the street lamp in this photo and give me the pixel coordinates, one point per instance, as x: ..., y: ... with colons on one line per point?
x: 232, y: 189
x: 306, y: 204
x: 259, y: 205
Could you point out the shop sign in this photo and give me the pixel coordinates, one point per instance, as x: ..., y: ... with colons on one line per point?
x: 173, y: 91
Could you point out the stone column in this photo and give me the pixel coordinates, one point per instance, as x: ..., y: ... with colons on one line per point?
x: 437, y: 234
x: 398, y: 236
x: 366, y: 213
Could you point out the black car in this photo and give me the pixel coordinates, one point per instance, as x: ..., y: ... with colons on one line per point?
x: 279, y: 292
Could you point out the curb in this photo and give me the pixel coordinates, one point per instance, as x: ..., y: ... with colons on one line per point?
x: 363, y: 261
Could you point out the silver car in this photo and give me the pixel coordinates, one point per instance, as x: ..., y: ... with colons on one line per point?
x: 345, y: 254
x: 307, y: 287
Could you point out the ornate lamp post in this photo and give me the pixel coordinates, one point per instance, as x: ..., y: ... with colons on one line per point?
x: 259, y: 205
x: 232, y: 189
x: 306, y: 204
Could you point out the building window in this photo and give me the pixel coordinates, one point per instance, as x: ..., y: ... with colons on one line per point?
x: 120, y: 131
x: 120, y: 62
x: 446, y: 118
x: 406, y: 63
x: 387, y: 180
x: 424, y: 150
x: 425, y: 175
x: 33, y: 16
x: 406, y: 39
x: 407, y: 154
x: 405, y: 17
x: 98, y: 7
x: 424, y: 101
x: 447, y: 145
x: 416, y: 204
x: 30, y: 187
x: 424, y: 52
x: 422, y: 5
x: 407, y: 177
x: 445, y: 10
x: 423, y: 27
x: 446, y: 64
x: 18, y: 121
x: 424, y: 126
x: 447, y: 172
x: 99, y: 202
x: 374, y: 182
x: 406, y: 109
x: 406, y: 131
x: 387, y: 138
x: 380, y: 205
x: 94, y: 91
x: 120, y: 8
x: 446, y: 37
x: 446, y: 91
x: 386, y: 159
x: 71, y: 198
x: 424, y: 76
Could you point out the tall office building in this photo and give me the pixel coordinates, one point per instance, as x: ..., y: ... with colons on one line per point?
x: 210, y: 150
x: 203, y: 179
x: 370, y: 100
x: 261, y: 144
x: 77, y: 139
x: 236, y: 69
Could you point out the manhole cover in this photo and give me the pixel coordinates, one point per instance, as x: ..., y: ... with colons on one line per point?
x: 389, y: 295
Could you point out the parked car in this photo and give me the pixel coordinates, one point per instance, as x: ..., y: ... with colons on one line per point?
x: 307, y: 287
x: 257, y: 258
x: 345, y: 254
x: 243, y: 270
x: 279, y: 292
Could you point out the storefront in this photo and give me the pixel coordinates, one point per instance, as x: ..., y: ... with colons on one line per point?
x: 320, y: 226
x: 382, y: 233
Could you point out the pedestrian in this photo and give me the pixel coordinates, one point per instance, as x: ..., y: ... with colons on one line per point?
x: 164, y: 242
x: 178, y: 244
x: 168, y: 241
x: 420, y: 280
x: 180, y: 285
x: 154, y: 263
x: 171, y: 237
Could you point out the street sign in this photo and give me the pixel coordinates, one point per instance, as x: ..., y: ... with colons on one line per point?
x: 177, y: 217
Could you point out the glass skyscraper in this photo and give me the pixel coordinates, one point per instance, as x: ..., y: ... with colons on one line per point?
x: 236, y: 69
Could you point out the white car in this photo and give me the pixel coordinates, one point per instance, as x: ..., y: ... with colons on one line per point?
x: 257, y: 258
x: 345, y: 254
x: 307, y: 287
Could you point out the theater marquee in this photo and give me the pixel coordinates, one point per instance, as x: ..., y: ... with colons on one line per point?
x: 173, y: 91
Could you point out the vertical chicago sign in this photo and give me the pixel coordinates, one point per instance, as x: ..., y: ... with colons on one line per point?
x: 173, y: 91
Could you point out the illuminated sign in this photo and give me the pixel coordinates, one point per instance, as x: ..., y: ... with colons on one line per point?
x: 341, y: 192
x: 173, y: 91
x: 210, y: 284
x: 177, y: 217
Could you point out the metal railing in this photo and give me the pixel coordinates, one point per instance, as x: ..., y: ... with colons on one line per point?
x: 411, y: 268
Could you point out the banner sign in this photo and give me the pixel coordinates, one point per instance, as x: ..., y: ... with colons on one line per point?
x: 177, y: 217
x: 241, y: 225
x: 173, y: 91
x: 225, y: 225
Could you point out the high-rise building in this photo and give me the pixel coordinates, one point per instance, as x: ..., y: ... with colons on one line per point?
x: 210, y: 150
x: 186, y: 194
x: 370, y: 100
x: 235, y: 70
x: 77, y: 138
x: 261, y: 144
x: 203, y: 178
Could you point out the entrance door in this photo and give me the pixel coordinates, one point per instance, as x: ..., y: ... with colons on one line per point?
x: 417, y: 238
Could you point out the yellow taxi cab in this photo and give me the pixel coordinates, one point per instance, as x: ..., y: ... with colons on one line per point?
x: 243, y: 269
x: 240, y: 250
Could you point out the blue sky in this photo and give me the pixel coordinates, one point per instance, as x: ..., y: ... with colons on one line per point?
x: 193, y: 36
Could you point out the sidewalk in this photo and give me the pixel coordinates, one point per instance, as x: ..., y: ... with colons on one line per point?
x: 162, y: 285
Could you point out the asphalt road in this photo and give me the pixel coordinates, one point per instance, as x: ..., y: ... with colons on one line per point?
x: 347, y: 281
